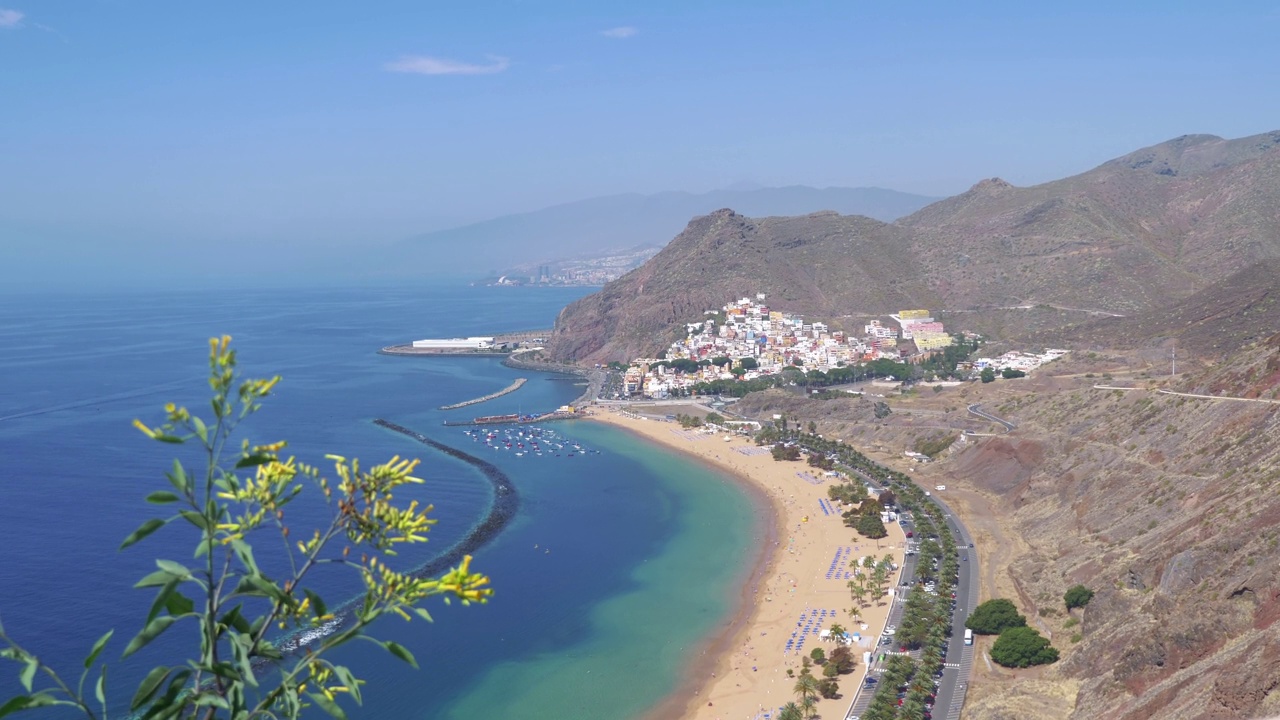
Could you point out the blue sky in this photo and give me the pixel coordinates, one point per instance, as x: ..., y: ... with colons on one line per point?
x: 323, y: 124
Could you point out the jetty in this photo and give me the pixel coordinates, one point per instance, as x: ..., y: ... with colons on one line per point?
x: 516, y: 419
x: 485, y: 398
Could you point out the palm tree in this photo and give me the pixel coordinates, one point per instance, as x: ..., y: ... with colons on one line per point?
x: 806, y: 687
x: 836, y: 630
x: 810, y: 705
x: 790, y: 711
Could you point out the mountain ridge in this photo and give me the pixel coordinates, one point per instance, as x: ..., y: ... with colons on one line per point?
x: 629, y: 220
x: 1124, y: 237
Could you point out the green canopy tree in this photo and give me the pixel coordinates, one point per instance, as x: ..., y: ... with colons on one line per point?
x: 994, y: 617
x: 1023, y: 647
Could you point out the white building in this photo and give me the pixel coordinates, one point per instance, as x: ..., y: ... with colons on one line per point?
x: 470, y: 343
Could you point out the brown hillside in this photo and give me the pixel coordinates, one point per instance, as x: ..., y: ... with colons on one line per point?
x: 825, y: 263
x: 1136, y: 233
x: 1227, y: 315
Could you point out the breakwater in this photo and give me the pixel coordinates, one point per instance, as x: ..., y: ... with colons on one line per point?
x: 501, y: 512
x: 595, y: 376
x: 485, y: 398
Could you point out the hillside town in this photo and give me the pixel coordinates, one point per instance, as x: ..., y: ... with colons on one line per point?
x: 746, y: 340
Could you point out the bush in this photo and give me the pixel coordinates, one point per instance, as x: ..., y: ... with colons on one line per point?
x: 1011, y: 374
x: 870, y: 526
x: 993, y: 617
x: 785, y: 452
x: 1023, y: 647
x: 1077, y: 597
x: 818, y: 656
x: 988, y: 375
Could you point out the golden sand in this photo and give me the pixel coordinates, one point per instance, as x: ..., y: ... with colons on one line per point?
x: 748, y: 673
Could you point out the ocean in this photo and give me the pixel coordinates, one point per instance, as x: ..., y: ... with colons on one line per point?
x: 621, y: 561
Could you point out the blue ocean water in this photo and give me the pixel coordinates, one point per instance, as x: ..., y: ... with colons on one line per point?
x: 620, y: 561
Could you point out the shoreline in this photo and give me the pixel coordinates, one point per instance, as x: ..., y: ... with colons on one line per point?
x: 738, y: 671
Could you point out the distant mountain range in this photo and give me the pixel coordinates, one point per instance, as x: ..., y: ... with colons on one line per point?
x: 1135, y: 234
x: 622, y: 222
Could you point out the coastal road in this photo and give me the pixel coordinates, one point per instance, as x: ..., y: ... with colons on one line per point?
x: 976, y: 409
x: 954, y: 684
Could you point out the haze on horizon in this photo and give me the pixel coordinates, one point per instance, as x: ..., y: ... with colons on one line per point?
x: 149, y: 140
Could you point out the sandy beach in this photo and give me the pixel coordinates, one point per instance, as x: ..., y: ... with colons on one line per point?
x: 801, y: 586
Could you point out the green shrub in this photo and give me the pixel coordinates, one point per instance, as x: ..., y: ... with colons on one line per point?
x: 1021, y: 647
x: 994, y: 617
x: 1077, y: 597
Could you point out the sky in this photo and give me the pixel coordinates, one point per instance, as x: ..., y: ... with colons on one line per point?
x: 163, y: 129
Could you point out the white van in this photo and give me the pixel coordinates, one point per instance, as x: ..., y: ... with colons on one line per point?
x: 968, y: 636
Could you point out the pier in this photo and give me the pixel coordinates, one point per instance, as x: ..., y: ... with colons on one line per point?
x: 485, y: 398
x: 514, y: 419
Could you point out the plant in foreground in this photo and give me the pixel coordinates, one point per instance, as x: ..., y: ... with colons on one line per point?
x: 230, y: 601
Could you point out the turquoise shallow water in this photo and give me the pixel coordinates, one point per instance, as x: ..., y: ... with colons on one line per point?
x: 646, y: 549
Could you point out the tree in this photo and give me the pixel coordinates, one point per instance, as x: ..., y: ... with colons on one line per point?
x: 887, y: 498
x: 785, y: 453
x: 994, y: 617
x: 721, y: 361
x: 842, y: 659
x: 1023, y: 647
x: 806, y: 686
x: 829, y: 686
x: 748, y: 363
x: 836, y: 630
x: 987, y: 375
x: 715, y: 419
x: 813, y: 427
x: 871, y: 527
x: 230, y: 600
x: 1077, y: 597
x: 790, y: 711
x: 818, y: 655
x: 1010, y: 374
x: 881, y: 410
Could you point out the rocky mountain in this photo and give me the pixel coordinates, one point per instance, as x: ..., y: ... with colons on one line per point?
x: 822, y: 263
x: 1134, y: 234
x: 598, y: 225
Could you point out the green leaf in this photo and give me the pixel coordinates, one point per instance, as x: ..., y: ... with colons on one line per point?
x: 202, y: 432
x: 400, y: 652
x: 149, y: 633
x: 327, y: 705
x: 254, y: 459
x: 349, y: 680
x: 161, y: 497
x: 25, y: 702
x: 162, y: 598
x: 97, y: 649
x: 245, y: 552
x: 320, y: 608
x: 172, y: 439
x: 143, y: 530
x: 155, y: 579
x: 100, y: 690
x: 234, y: 619
x: 195, y: 518
x: 178, y: 570
x: 179, y: 478
x: 178, y: 604
x: 150, y: 684
x: 28, y: 674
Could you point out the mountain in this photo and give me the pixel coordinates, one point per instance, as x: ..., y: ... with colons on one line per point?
x: 1225, y: 315
x: 1134, y: 234
x: 822, y: 263
x: 617, y: 222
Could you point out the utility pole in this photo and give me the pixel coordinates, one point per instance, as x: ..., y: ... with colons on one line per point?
x: 1173, y: 357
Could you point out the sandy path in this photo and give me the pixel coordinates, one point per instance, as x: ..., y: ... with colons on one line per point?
x: 749, y: 676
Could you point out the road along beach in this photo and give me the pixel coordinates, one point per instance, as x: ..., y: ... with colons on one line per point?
x: 801, y: 590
